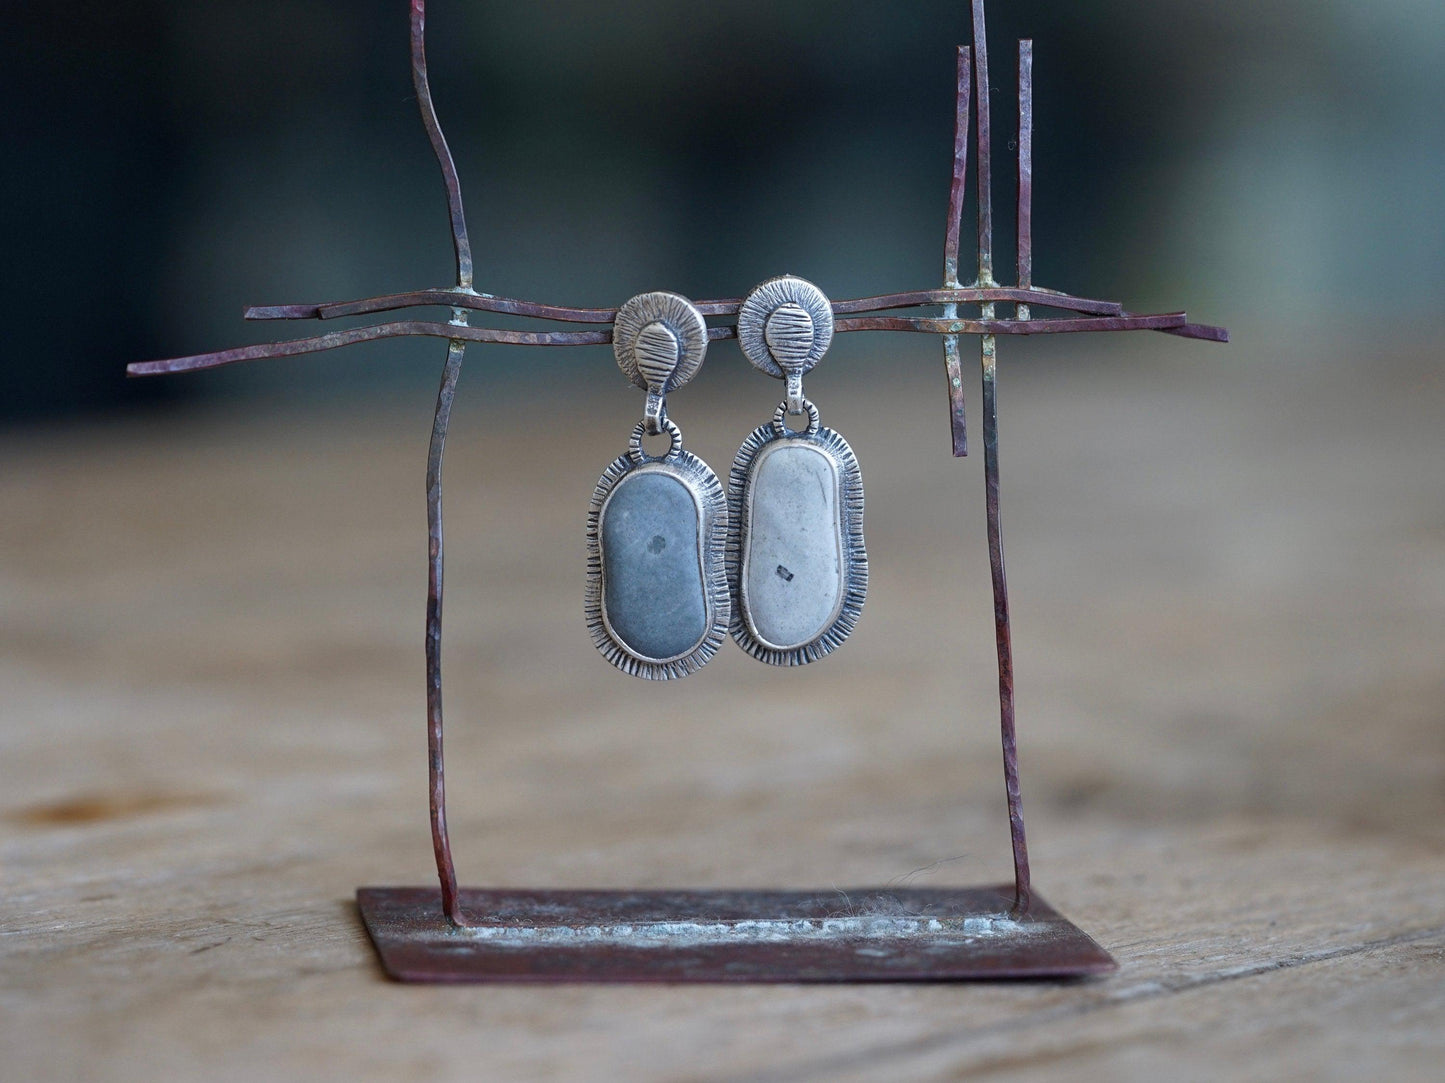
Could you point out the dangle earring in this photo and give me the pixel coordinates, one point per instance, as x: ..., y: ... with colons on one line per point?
x: 657, y: 600
x: 796, y: 562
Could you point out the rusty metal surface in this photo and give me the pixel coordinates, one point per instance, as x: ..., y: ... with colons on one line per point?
x: 1025, y: 221
x: 436, y: 562
x: 989, y: 325
x: 461, y: 244
x: 511, y: 306
x: 451, y: 372
x: 855, y: 935
x: 401, y: 329
x: 988, y: 355
x: 984, y: 135
x: 969, y: 295
x: 1168, y: 321
x: 952, y: 359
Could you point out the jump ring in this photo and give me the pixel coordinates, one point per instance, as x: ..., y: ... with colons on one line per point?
x: 782, y: 411
x: 634, y: 446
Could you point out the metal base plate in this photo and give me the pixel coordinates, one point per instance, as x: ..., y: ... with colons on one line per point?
x: 865, y: 935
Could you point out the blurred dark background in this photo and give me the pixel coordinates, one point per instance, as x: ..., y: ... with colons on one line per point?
x: 1264, y: 164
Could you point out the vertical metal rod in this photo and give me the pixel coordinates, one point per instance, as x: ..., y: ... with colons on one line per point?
x: 1022, y: 888
x: 988, y: 348
x: 952, y: 364
x: 962, y: 93
x: 1002, y: 639
x: 460, y: 241
x: 1026, y: 171
x: 436, y: 766
x: 985, y: 193
x: 446, y: 870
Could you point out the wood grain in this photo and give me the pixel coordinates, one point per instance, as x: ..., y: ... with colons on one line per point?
x: 1228, y: 578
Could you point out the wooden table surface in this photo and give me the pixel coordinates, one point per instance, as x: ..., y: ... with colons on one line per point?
x: 1228, y: 572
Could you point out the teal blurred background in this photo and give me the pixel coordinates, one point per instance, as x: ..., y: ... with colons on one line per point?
x: 1268, y: 165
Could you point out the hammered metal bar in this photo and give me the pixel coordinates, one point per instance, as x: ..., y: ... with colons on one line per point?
x: 952, y: 363
x: 1169, y: 321
x: 852, y: 935
x: 404, y: 329
x: 990, y: 326
x: 481, y: 302
x: 461, y: 244
x: 984, y: 135
x: 988, y: 352
x: 436, y: 765
x: 1025, y: 229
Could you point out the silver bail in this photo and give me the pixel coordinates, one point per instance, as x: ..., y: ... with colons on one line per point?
x: 654, y: 412
x: 797, y: 404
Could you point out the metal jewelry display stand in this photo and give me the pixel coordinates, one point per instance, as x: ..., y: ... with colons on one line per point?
x: 759, y: 936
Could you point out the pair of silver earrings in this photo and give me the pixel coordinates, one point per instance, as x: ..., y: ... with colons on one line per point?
x: 674, y: 563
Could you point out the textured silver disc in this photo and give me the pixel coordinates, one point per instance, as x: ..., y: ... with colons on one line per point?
x: 651, y: 326
x: 785, y: 325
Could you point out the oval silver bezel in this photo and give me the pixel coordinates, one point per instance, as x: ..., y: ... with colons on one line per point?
x: 745, y: 520
x: 711, y: 503
x: 850, y: 539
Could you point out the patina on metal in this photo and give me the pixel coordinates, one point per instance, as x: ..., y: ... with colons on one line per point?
x: 852, y: 935
x: 419, y: 940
